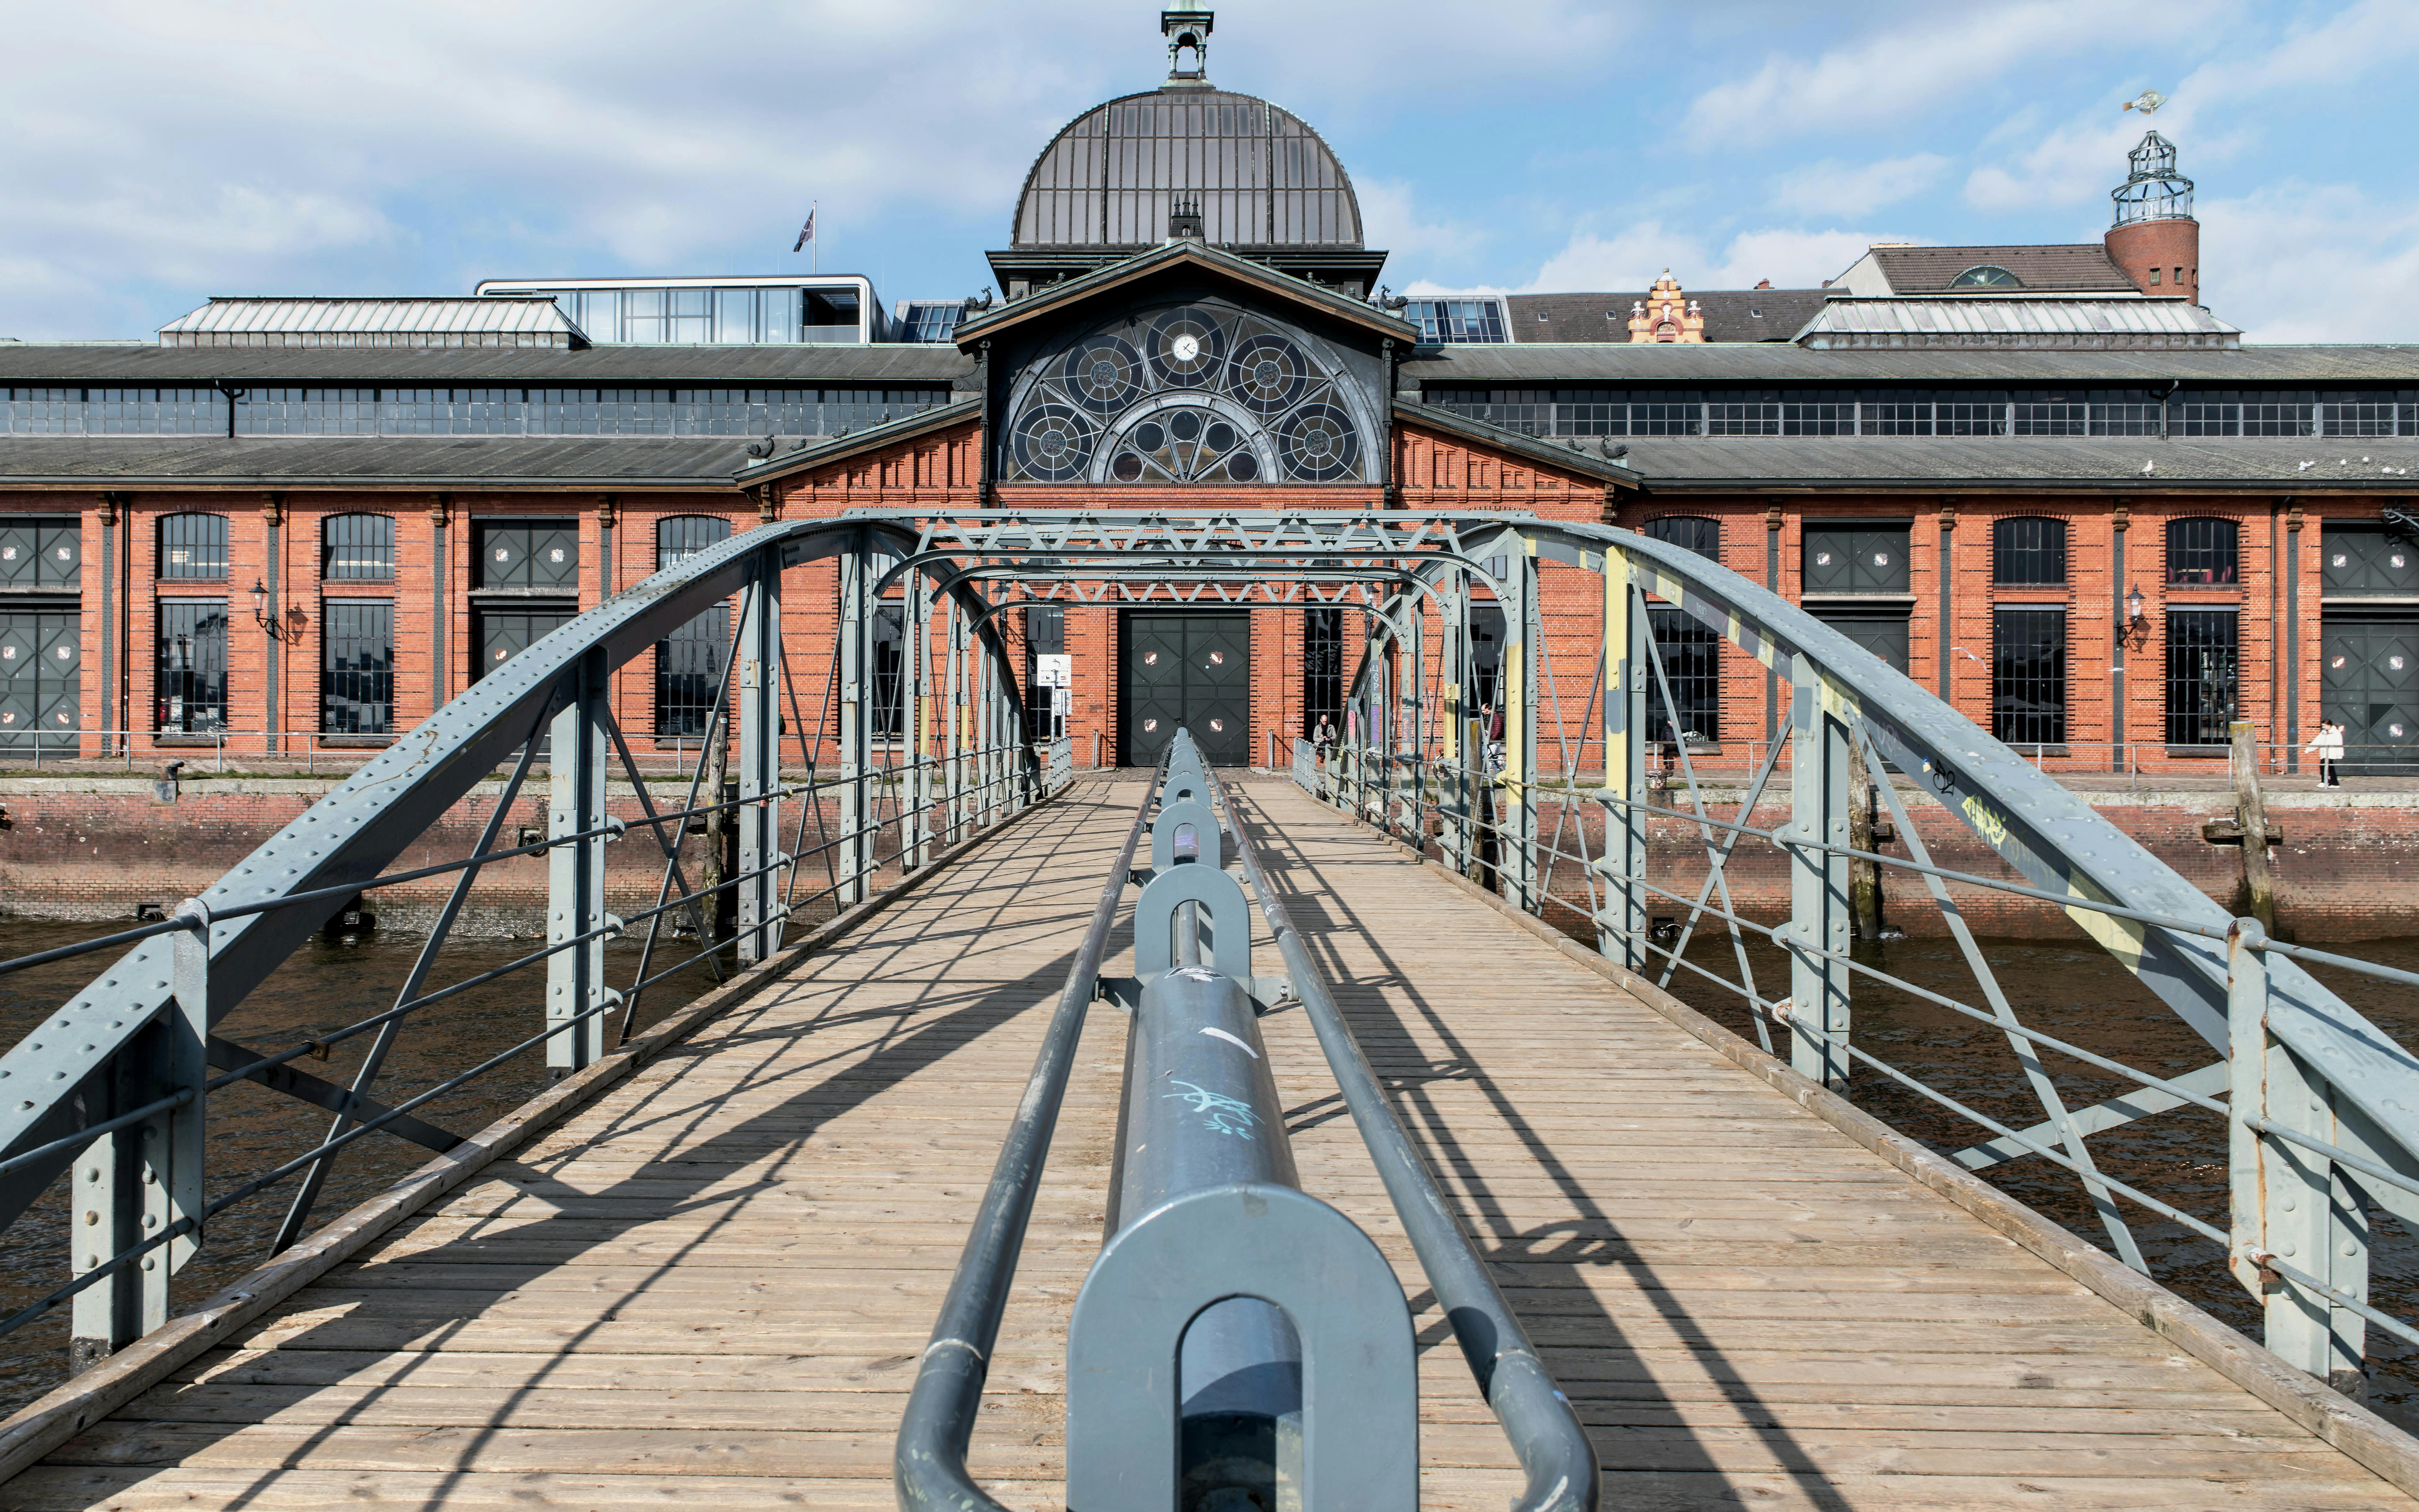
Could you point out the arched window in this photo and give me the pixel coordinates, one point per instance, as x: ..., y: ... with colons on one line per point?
x: 1986, y: 276
x: 357, y: 546
x: 2025, y: 552
x: 688, y: 662
x: 193, y: 547
x: 2203, y: 553
x: 1690, y: 533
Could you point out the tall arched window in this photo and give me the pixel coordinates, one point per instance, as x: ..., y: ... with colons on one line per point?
x: 193, y: 546
x: 688, y: 662
x: 2026, y: 552
x: 357, y: 546
x: 2203, y: 553
x: 1691, y: 650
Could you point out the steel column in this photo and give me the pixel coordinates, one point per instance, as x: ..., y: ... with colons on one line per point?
x: 1524, y: 627
x: 760, y: 761
x: 131, y: 1184
x: 577, y: 761
x: 2292, y: 1209
x: 1819, y: 914
x: 855, y: 629
x: 916, y: 824
x: 1621, y: 924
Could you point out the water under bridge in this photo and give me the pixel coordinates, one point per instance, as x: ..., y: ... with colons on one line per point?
x: 904, y: 1214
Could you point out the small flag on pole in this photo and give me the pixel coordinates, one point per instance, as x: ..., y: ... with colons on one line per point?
x: 806, y: 233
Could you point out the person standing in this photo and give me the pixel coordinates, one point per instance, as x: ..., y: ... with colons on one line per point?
x: 2329, y: 748
x: 1322, y: 739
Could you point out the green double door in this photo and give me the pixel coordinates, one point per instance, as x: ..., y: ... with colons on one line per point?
x: 2368, y: 683
x: 1187, y: 669
x: 42, y: 658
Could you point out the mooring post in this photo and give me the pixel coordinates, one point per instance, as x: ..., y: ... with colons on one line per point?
x: 2251, y: 809
x: 2291, y: 1207
x: 582, y: 746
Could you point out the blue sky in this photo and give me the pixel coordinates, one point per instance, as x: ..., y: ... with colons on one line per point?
x: 161, y: 153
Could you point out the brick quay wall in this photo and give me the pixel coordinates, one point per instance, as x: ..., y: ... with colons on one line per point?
x: 84, y: 846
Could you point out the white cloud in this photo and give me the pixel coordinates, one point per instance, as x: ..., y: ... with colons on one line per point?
x: 1898, y: 70
x: 1634, y: 258
x: 2084, y: 158
x: 1391, y: 220
x: 1832, y: 187
x: 2294, y: 263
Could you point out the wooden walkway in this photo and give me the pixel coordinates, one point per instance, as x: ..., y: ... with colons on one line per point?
x: 710, y: 1289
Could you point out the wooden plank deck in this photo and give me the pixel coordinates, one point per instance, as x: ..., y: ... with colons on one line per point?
x: 709, y: 1289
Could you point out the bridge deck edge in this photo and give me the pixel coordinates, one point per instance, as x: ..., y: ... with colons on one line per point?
x: 43, y: 1424
x: 2364, y: 1436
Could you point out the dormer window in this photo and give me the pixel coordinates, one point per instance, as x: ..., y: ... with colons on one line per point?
x: 1986, y: 276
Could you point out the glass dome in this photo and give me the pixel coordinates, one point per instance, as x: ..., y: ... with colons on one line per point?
x: 1261, y: 178
x: 2153, y: 191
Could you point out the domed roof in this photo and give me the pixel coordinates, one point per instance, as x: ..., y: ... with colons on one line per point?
x: 1261, y: 178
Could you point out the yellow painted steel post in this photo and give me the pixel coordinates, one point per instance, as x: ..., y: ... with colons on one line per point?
x: 1621, y: 925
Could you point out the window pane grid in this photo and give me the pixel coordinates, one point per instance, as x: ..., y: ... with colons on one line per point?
x: 357, y: 683
x: 191, y: 695
x: 359, y: 548
x: 2201, y: 675
x: 2028, y: 676
x: 2201, y: 552
x: 2025, y: 552
x: 1322, y: 669
x: 1692, y: 668
x: 193, y: 546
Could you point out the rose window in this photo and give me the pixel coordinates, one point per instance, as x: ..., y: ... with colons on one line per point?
x: 1192, y: 392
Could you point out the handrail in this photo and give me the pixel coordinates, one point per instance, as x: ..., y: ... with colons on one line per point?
x: 1553, y: 1448
x: 929, y: 1461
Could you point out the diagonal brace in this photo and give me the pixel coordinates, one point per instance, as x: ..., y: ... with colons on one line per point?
x: 225, y: 1055
x: 2141, y: 1102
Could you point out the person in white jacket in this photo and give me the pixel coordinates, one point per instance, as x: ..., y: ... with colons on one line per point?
x: 2329, y: 748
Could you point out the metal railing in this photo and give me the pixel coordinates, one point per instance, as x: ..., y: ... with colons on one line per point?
x: 116, y: 1084
x: 1120, y: 1441
x: 2317, y: 1102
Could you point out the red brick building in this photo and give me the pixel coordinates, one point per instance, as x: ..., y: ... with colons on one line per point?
x: 1194, y: 322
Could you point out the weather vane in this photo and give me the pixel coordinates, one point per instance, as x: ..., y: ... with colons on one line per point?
x: 2150, y: 101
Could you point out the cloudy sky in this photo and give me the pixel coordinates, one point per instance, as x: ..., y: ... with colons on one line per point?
x: 159, y: 153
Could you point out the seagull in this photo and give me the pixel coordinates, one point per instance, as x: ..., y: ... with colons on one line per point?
x: 1967, y: 655
x: 2149, y: 468
x: 2305, y: 467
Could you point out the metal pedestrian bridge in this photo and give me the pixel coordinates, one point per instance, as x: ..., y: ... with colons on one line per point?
x: 1323, y: 1135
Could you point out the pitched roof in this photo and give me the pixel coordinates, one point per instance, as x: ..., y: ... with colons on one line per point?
x: 497, y: 322
x: 1593, y: 458
x: 2080, y: 266
x: 136, y: 364
x: 819, y: 451
x: 2093, y: 464
x: 1171, y: 255
x: 2006, y: 321
x: 1731, y: 315
x: 520, y: 463
x: 1760, y: 362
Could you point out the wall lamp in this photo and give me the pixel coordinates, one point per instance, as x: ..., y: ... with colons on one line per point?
x: 278, y: 629
x: 2133, y: 622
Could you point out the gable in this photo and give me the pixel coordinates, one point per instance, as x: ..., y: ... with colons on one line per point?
x: 1191, y: 384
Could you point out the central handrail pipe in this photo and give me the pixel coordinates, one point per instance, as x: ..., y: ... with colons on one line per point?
x: 928, y: 1461
x: 1238, y: 1343
x: 1555, y: 1453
